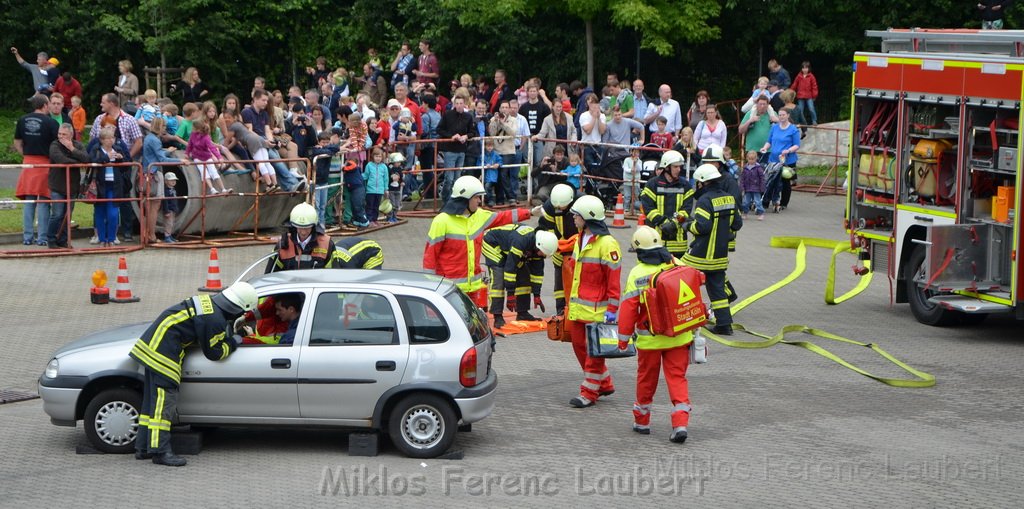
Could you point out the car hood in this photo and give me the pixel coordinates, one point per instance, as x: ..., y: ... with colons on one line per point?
x: 103, y: 338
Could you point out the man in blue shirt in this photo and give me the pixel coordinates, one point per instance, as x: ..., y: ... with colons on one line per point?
x: 288, y: 307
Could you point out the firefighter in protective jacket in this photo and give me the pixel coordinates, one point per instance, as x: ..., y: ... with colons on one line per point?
x: 204, y: 319
x: 358, y: 253
x: 713, y: 156
x: 305, y: 245
x: 716, y: 219
x: 594, y: 295
x: 654, y: 351
x: 667, y: 200
x: 514, y: 255
x: 556, y: 218
x: 456, y: 236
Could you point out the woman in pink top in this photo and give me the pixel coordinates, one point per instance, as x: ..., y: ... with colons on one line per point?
x: 206, y: 154
x: 711, y: 130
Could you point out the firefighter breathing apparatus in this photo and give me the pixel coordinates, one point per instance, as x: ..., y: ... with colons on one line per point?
x: 800, y: 244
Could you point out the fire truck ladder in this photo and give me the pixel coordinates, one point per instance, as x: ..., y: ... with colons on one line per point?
x: 925, y: 40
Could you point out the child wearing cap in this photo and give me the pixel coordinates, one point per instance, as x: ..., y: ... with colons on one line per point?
x: 169, y: 206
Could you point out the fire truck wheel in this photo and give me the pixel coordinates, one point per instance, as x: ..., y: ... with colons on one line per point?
x: 926, y: 312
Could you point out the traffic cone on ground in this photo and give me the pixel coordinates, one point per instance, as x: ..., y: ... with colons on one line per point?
x: 123, y: 292
x: 213, y: 283
x: 619, y: 221
x: 642, y: 220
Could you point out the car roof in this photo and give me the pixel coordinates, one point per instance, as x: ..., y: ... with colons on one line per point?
x: 354, y: 276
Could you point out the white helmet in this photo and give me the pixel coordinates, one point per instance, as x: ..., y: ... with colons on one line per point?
x: 712, y: 154
x: 303, y: 216
x: 547, y: 242
x: 241, y: 294
x: 646, y: 237
x: 562, y: 195
x: 787, y: 172
x: 396, y: 158
x: 706, y: 172
x: 670, y: 158
x: 467, y: 187
x: 590, y: 207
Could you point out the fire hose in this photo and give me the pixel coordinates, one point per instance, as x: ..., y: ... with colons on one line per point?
x: 800, y: 244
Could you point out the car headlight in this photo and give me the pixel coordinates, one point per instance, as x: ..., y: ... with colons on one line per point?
x: 51, y: 369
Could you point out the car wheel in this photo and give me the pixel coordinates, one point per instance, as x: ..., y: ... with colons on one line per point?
x: 112, y: 420
x: 422, y: 426
x: 926, y: 312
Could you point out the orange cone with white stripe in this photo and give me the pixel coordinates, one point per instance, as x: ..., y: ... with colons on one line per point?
x: 619, y: 220
x: 213, y: 283
x: 642, y: 220
x: 123, y: 292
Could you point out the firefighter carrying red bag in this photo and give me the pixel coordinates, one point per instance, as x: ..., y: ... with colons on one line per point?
x: 661, y: 306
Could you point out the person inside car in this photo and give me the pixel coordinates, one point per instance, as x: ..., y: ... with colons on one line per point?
x: 275, y: 320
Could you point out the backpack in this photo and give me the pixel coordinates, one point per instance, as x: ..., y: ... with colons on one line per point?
x: 673, y: 301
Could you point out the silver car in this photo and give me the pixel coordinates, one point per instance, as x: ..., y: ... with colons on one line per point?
x: 401, y: 352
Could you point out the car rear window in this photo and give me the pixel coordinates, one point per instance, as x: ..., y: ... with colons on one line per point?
x: 470, y: 314
x: 423, y: 321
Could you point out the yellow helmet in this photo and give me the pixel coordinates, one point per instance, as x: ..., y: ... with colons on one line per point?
x: 396, y: 158
x: 590, y: 207
x: 547, y: 242
x: 467, y: 187
x: 646, y: 237
x: 670, y: 158
x: 787, y: 172
x: 386, y: 207
x: 562, y: 195
x: 303, y: 216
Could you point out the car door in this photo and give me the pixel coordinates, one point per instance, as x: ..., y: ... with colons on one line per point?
x: 351, y: 356
x: 256, y: 381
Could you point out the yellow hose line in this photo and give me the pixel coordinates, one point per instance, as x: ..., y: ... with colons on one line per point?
x: 837, y: 247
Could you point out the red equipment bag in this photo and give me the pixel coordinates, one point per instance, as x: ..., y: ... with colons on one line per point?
x: 673, y: 301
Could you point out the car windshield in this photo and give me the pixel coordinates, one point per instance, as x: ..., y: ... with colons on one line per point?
x: 470, y: 314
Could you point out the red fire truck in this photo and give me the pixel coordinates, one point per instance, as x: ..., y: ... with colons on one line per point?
x: 935, y: 181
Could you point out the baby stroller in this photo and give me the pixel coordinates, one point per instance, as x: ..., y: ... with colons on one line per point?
x: 773, y: 183
x: 610, y: 168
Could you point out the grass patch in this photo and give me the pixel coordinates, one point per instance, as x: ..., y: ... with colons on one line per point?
x: 8, y: 119
x: 10, y: 219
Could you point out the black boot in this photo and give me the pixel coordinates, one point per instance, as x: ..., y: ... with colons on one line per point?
x: 722, y: 330
x: 499, y: 321
x: 143, y: 455
x: 525, y: 316
x: 169, y: 459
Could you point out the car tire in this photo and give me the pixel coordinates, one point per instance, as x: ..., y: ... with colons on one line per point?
x: 926, y: 312
x: 422, y: 426
x: 112, y: 420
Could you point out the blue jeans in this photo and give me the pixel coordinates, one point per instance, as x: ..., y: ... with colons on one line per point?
x: 508, y: 177
x: 284, y: 177
x: 752, y: 198
x: 807, y: 106
x: 58, y: 228
x: 28, y: 217
x: 451, y: 160
x: 105, y: 216
x: 320, y: 202
x: 628, y: 202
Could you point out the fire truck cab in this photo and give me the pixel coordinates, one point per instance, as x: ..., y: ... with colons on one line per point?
x: 935, y: 170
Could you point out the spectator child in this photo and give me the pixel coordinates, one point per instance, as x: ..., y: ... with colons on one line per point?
x: 326, y: 146
x: 395, y: 188
x: 374, y: 60
x: 753, y: 184
x: 404, y: 130
x: 631, y: 167
x: 376, y: 177
x: 206, y: 155
x: 170, y: 113
x: 730, y: 163
x: 357, y: 135
x: 574, y: 171
x: 354, y: 196
x: 806, y: 87
x: 492, y: 166
x: 663, y: 138
x: 169, y: 206
x: 78, y: 116
x: 147, y: 110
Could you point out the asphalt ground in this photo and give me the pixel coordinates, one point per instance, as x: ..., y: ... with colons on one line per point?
x: 778, y: 427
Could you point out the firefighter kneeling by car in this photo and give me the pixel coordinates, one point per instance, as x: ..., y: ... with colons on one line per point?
x: 515, y: 260
x: 161, y: 350
x: 665, y: 349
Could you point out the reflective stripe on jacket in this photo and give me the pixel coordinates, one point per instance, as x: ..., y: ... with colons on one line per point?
x: 357, y: 253
x: 317, y: 254
x: 633, y: 313
x: 596, y: 270
x: 715, y: 221
x: 162, y: 346
x: 661, y: 201
x: 514, y: 248
x: 454, y: 244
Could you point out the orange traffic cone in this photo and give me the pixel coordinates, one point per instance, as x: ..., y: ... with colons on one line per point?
x: 619, y: 221
x: 213, y: 283
x: 123, y: 292
x: 642, y: 220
